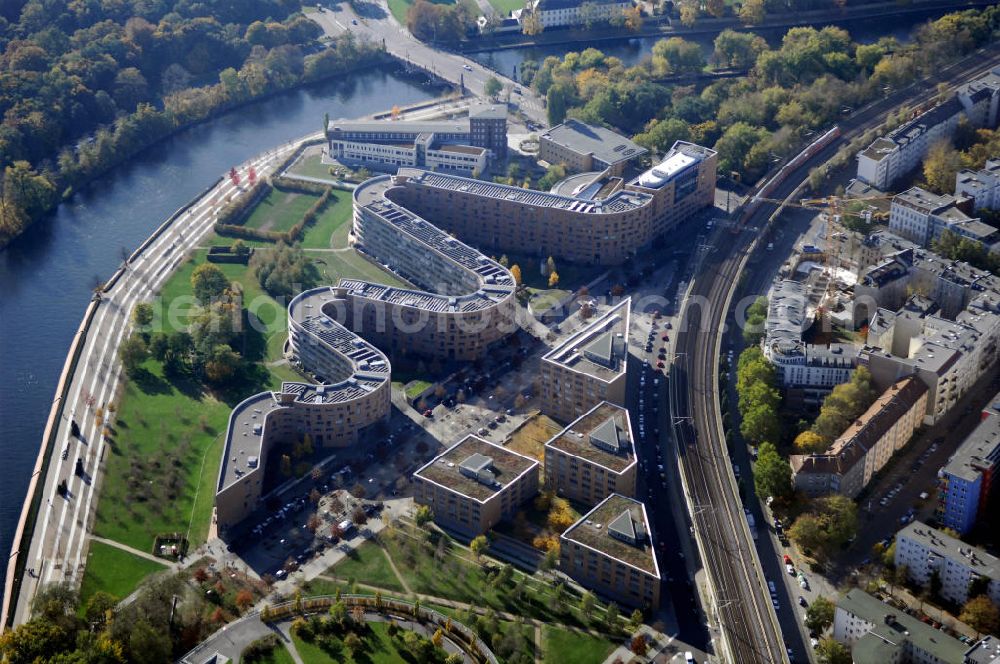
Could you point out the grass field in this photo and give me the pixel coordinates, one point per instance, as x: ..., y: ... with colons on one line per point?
x: 400, y: 7
x: 505, y: 7
x: 335, y: 220
x: 378, y: 648
x: 113, y: 571
x: 563, y: 646
x: 311, y: 166
x: 367, y: 564
x: 279, y: 655
x: 279, y: 211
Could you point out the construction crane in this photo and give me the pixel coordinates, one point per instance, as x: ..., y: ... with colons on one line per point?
x: 834, y: 208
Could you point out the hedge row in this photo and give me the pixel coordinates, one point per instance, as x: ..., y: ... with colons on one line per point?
x: 289, y: 236
x: 236, y: 212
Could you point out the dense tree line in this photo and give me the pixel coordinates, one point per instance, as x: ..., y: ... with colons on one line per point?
x: 430, y: 21
x: 805, y: 84
x: 85, y: 85
x: 843, y: 405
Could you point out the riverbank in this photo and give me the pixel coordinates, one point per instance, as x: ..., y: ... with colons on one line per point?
x: 69, y: 259
x: 372, y: 60
x: 662, y: 28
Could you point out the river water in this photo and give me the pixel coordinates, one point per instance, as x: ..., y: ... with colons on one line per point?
x: 632, y: 51
x: 47, y: 275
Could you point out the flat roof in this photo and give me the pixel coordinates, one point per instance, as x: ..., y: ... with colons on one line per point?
x: 952, y: 548
x: 446, y: 469
x: 980, y: 450
x: 398, y: 127
x: 679, y: 159
x: 896, y: 626
x: 592, y: 532
x: 599, y: 142
x: 620, y: 201
x: 594, y: 435
x: 581, y: 349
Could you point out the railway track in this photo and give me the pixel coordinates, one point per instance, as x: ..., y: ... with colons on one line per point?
x: 739, y: 598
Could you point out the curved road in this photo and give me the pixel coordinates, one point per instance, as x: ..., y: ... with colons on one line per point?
x: 58, y: 543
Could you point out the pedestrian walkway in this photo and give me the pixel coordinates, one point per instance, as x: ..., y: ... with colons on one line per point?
x: 135, y: 552
x: 395, y: 570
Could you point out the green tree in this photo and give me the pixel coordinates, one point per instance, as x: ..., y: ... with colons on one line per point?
x: 738, y: 49
x: 819, y: 614
x: 759, y: 424
x: 133, y: 352
x: 423, y: 515
x: 832, y: 652
x: 735, y: 145
x: 941, y: 165
x: 556, y: 104
x: 810, y: 442
x: 492, y: 87
x: 208, y: 282
x: 478, y: 545
x: 772, y: 475
x: 675, y: 56
x: 611, y: 617
x: 752, y: 12
x: 222, y: 364
x: 142, y: 315
x: 660, y: 135
x: 587, y: 602
x: 981, y: 614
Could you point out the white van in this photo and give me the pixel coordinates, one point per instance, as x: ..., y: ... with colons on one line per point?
x: 689, y: 658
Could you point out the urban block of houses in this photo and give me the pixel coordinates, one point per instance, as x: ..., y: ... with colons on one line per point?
x: 474, y: 484
x: 982, y: 186
x: 460, y: 146
x: 610, y: 550
x: 965, y: 483
x: 593, y: 457
x: 888, y: 158
x: 588, y: 367
x: 584, y: 147
x: 566, y: 13
x: 928, y: 316
x: 922, y: 216
x: 867, y: 444
x: 805, y: 371
x: 926, y: 552
x: 878, y: 633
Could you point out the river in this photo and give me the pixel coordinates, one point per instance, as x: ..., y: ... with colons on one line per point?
x: 632, y: 51
x: 46, y: 276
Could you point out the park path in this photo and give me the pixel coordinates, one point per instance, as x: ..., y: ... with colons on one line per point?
x: 285, y: 631
x: 133, y: 551
x: 395, y: 570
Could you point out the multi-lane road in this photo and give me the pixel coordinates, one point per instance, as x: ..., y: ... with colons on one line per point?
x: 58, y: 545
x: 373, y: 21
x: 739, y: 596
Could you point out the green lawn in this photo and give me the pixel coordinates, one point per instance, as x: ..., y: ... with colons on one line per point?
x: 334, y: 221
x: 562, y: 646
x: 378, y: 648
x: 505, y: 7
x: 571, y: 275
x: 367, y: 564
x: 311, y: 166
x: 350, y: 264
x: 400, y: 7
x: 279, y: 655
x: 280, y: 210
x: 416, y: 387
x: 544, y: 299
x: 114, y: 571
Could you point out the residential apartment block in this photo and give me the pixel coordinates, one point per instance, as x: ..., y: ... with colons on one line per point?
x: 877, y: 633
x: 982, y: 186
x: 867, y: 444
x: 927, y: 551
x: 922, y: 216
x: 889, y: 158
x: 805, y: 371
x: 474, y: 484
x: 593, y: 457
x: 931, y: 317
x: 965, y: 483
x: 610, y: 550
x: 462, y: 146
x: 606, y: 224
x: 583, y: 147
x: 353, y: 396
x: 588, y: 367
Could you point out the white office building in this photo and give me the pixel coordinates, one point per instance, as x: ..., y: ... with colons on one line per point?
x: 982, y: 186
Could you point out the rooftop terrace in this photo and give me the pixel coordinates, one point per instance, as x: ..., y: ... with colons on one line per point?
x: 600, y: 348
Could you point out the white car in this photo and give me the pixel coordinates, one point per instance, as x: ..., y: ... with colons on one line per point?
x: 467, y: 67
